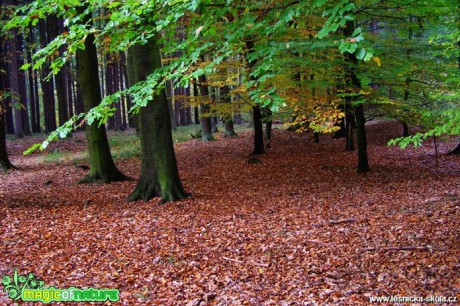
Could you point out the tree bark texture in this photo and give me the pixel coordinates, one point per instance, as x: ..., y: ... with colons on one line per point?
x: 102, y: 166
x: 159, y: 172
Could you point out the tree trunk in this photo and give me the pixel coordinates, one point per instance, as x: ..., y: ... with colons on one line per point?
x: 33, y: 87
x: 20, y: 48
x: 237, y: 119
x: 228, y: 119
x: 268, y: 133
x: 79, y: 107
x: 4, y: 86
x: 267, y: 117
x: 206, y: 127
x: 159, y: 173
x: 109, y: 86
x: 405, y: 129
x: 133, y: 119
x: 258, y: 131
x: 5, y: 163
x: 125, y: 72
x: 101, y: 163
x: 70, y: 91
x: 456, y: 150
x: 189, y: 115
x: 116, y: 87
x: 14, y: 86
x: 177, y: 105
x: 229, y: 128
x: 49, y: 108
x: 187, y: 109
x: 214, y: 122
x: 182, y: 108
x: 316, y: 136
x: 363, y: 164
x: 256, y: 113
x: 196, y: 115
x: 353, y: 83
x: 52, y: 26
x: 342, y: 131
x: 169, y: 95
x: 123, y: 109
x: 349, y: 129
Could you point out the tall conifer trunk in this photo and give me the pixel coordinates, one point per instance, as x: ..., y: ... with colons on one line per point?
x: 47, y: 86
x: 4, y: 86
x: 159, y: 173
x: 13, y: 70
x: 53, y: 25
x: 33, y: 87
x: 5, y: 163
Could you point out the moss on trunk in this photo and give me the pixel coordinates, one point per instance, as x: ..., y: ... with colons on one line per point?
x: 159, y: 173
x: 101, y: 163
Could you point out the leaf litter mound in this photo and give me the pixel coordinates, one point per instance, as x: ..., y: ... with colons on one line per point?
x: 301, y: 227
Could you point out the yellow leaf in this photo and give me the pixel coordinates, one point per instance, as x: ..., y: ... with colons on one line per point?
x: 376, y: 60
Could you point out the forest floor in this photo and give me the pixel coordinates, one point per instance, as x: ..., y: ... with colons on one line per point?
x: 302, y: 227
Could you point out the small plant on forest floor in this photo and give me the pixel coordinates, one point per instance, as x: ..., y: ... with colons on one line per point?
x: 56, y: 156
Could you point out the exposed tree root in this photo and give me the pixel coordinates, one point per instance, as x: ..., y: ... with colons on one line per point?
x: 6, y: 165
x: 207, y: 137
x: 456, y: 151
x: 147, y: 189
x: 230, y: 134
x: 107, y: 178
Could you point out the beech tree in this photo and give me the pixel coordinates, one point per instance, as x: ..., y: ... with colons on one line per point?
x: 311, y: 59
x: 159, y: 173
x: 101, y: 163
x: 206, y: 127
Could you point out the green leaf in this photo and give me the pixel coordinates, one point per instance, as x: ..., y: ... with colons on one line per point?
x: 25, y: 66
x: 368, y: 56
x: 114, y: 4
x: 361, y: 53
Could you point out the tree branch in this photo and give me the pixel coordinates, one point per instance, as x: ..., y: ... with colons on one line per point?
x: 334, y: 222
